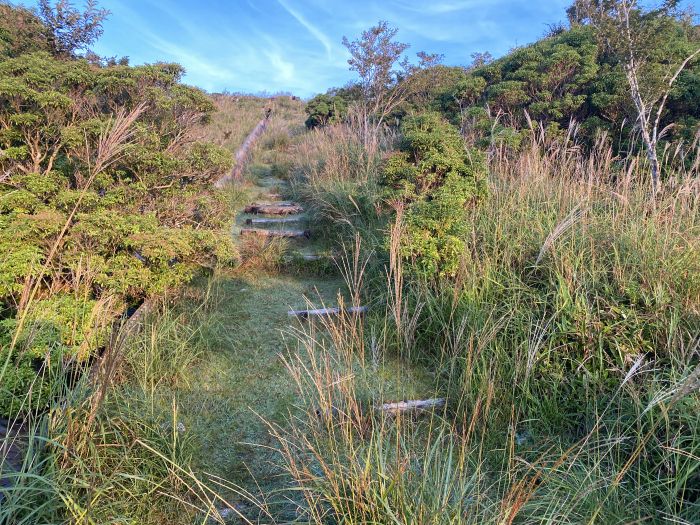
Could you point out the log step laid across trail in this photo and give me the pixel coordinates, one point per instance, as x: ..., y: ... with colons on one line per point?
x: 325, y: 312
x: 312, y: 257
x: 274, y: 209
x: 273, y: 221
x: 272, y: 202
x: 287, y: 234
x: 411, y: 406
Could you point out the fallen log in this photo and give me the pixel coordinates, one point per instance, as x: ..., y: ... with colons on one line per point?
x: 326, y: 312
x: 244, y: 152
x: 274, y: 209
x: 273, y: 221
x: 411, y: 406
x: 287, y: 234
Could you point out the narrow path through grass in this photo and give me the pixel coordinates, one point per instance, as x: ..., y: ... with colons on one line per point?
x: 241, y: 384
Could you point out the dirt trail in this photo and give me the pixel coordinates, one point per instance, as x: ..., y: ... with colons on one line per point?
x: 242, y: 384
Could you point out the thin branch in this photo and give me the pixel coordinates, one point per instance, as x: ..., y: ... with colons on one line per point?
x: 670, y: 85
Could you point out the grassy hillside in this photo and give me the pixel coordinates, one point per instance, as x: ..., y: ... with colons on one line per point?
x: 520, y: 278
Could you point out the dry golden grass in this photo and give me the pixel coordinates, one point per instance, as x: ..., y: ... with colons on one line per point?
x: 237, y: 115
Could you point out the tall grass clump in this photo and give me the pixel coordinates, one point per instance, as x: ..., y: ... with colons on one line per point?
x: 111, y: 446
x: 337, y: 178
x: 565, y: 346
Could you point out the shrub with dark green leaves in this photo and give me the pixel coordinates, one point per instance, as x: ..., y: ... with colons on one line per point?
x: 127, y: 217
x: 325, y: 109
x: 435, y: 178
x: 568, y: 77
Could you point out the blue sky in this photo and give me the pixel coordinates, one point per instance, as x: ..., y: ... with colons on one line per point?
x: 295, y: 45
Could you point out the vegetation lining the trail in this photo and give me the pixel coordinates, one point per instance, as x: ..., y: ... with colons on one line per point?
x: 513, y: 264
x: 570, y: 82
x: 433, y: 179
x: 565, y: 343
x: 99, y: 207
x: 563, y: 333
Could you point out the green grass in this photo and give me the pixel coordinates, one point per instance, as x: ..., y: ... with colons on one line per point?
x: 566, y: 348
x: 241, y: 379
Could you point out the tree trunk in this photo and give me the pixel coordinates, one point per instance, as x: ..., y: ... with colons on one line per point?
x: 655, y: 168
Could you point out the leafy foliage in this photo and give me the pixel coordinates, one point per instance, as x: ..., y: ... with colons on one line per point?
x: 571, y: 76
x: 70, y: 29
x: 21, y: 31
x: 436, y: 178
x: 126, y: 219
x: 325, y: 109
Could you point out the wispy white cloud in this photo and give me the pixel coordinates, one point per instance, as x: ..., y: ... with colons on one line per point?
x: 440, y: 8
x: 315, y: 31
x: 294, y: 45
x: 283, y: 70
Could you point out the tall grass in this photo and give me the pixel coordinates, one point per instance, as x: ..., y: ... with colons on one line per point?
x: 112, y: 448
x: 336, y: 179
x: 567, y: 348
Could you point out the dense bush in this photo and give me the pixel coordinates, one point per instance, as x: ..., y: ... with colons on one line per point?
x: 436, y: 179
x: 569, y: 77
x: 325, y: 109
x: 21, y: 31
x: 105, y: 197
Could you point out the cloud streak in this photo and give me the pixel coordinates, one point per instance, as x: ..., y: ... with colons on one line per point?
x: 317, y: 33
x: 294, y: 45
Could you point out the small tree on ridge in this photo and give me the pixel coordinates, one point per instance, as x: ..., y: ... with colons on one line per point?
x: 377, y: 59
x: 633, y: 35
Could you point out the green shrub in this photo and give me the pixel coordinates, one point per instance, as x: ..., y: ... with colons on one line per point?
x: 325, y: 109
x: 436, y: 178
x: 57, y: 332
x: 125, y: 214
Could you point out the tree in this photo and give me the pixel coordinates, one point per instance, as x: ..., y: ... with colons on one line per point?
x: 21, y: 31
x: 635, y: 37
x: 72, y: 30
x: 377, y: 59
x: 481, y: 59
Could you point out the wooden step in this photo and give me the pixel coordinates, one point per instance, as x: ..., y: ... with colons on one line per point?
x: 287, y: 220
x: 326, y: 312
x: 285, y: 204
x: 410, y: 407
x: 417, y: 405
x: 274, y: 209
x: 312, y: 257
x: 287, y: 234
